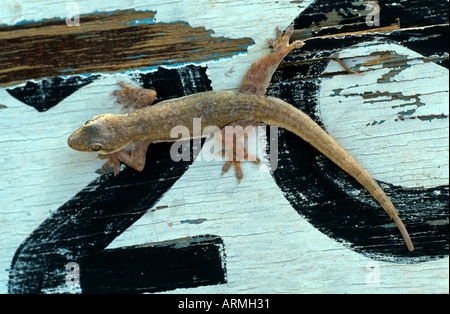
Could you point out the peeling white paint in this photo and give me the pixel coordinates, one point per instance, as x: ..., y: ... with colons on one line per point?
x: 412, y: 152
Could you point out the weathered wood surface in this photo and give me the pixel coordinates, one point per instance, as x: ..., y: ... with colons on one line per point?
x: 106, y: 43
x: 306, y: 228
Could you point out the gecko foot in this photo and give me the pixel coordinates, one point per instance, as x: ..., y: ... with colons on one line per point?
x: 134, y: 97
x: 112, y: 165
x: 237, y: 166
x: 232, y: 158
x: 282, y: 41
x: 234, y: 150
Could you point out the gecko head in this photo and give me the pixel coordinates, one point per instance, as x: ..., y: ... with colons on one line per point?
x: 103, y: 134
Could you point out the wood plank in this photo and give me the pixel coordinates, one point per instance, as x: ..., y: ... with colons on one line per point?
x: 108, y: 42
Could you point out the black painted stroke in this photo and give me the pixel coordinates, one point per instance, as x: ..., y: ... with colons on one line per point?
x: 321, y: 192
x: 95, y: 216
x: 81, y: 229
x: 171, y: 83
x: 181, y: 263
x: 89, y: 221
x: 47, y: 93
x: 339, y: 207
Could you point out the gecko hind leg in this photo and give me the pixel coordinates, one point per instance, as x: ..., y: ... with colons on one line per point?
x: 258, y: 77
x: 237, y: 166
x: 282, y: 41
x: 235, y: 151
x: 135, y: 97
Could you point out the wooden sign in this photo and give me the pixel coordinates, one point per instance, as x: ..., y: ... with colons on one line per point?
x: 373, y: 74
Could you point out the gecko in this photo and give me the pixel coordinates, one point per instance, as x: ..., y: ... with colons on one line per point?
x: 111, y: 135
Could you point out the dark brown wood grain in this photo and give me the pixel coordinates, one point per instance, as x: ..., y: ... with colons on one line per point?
x: 107, y: 43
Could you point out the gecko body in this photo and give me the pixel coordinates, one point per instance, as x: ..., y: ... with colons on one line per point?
x: 110, y: 134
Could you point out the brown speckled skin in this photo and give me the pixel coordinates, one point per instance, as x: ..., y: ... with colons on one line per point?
x: 110, y: 134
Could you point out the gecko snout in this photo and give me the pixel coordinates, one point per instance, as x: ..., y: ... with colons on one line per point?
x: 72, y: 142
x: 76, y: 142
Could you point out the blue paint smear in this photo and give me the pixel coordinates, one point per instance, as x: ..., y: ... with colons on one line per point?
x: 136, y: 57
x: 88, y: 36
x: 194, y: 221
x: 137, y: 22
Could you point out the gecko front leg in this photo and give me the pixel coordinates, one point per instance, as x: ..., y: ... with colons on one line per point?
x: 135, y: 97
x: 134, y: 158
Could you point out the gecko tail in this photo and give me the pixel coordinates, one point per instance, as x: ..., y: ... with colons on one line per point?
x: 404, y: 233
x: 288, y: 117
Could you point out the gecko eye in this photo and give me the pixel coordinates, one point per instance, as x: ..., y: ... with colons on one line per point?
x: 95, y: 147
x: 88, y: 122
